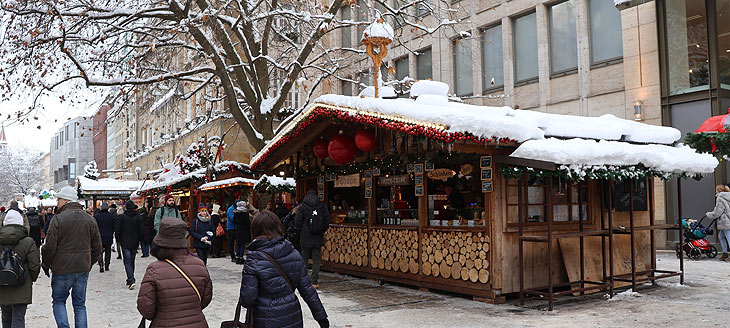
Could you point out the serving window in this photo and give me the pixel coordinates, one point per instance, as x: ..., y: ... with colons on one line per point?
x: 568, y: 201
x: 455, y: 195
x: 346, y: 200
x: 397, y: 203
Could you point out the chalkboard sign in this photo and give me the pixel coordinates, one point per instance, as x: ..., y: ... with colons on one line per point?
x: 640, y: 192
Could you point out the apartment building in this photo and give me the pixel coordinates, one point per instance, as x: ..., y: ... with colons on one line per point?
x: 71, y: 149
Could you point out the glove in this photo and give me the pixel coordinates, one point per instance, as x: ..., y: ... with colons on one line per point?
x: 45, y: 270
x: 204, y: 239
x: 323, y: 323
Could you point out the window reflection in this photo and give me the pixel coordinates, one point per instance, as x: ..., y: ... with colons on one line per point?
x: 687, y: 46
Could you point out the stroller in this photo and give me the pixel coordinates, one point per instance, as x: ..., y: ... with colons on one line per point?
x: 695, y: 244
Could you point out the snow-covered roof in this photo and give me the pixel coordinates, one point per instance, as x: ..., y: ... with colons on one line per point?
x: 232, y: 181
x: 669, y: 159
x: 485, y: 123
x: 108, y: 186
x: 277, y: 181
x: 378, y: 29
x: 173, y: 177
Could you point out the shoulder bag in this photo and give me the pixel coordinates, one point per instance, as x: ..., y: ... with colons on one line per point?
x: 197, y: 292
x: 236, y: 323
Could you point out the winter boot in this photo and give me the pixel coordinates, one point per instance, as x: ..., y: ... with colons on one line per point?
x: 101, y: 269
x: 106, y: 267
x: 724, y: 256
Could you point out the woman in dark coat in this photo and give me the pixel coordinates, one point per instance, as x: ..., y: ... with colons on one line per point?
x: 14, y: 300
x: 148, y: 231
x: 243, y: 229
x: 202, y: 232
x: 264, y: 291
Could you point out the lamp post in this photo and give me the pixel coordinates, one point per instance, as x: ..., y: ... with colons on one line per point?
x: 377, y: 35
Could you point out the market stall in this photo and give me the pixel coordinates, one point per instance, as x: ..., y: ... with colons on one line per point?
x: 463, y: 198
x: 94, y: 190
x: 269, y: 188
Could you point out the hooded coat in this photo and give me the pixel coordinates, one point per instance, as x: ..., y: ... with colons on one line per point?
x: 243, y: 226
x: 721, y: 211
x: 105, y: 222
x: 307, y: 238
x: 267, y: 293
x: 28, y: 252
x: 198, y: 230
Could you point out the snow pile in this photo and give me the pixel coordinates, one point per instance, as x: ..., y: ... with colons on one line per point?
x: 625, y: 295
x: 428, y: 87
x: 383, y: 92
x: 668, y: 284
x: 228, y: 181
x: 378, y: 29
x: 663, y: 158
x: 169, y: 172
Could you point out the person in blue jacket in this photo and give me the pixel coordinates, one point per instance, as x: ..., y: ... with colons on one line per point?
x: 264, y: 290
x: 202, y: 231
x: 231, y: 231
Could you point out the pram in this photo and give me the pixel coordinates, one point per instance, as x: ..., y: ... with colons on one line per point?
x: 695, y: 244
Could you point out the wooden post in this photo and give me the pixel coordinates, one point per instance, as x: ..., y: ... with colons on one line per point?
x: 519, y: 237
x: 549, y: 219
x: 610, y: 239
x: 652, y: 240
x: 601, y: 195
x: 680, y: 245
x: 582, y: 244
x: 632, y: 183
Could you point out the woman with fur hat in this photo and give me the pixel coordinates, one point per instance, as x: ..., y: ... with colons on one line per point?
x: 202, y: 232
x: 177, y: 287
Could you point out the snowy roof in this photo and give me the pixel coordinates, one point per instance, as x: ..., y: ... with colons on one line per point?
x: 277, y: 181
x: 378, y: 29
x: 232, y: 181
x: 486, y: 123
x: 174, y: 177
x: 669, y: 159
x: 108, y: 186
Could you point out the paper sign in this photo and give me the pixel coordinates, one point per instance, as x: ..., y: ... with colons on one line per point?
x: 345, y: 181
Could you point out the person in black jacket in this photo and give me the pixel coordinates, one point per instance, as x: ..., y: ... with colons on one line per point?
x: 128, y: 232
x: 281, y: 211
x: 264, y: 290
x: 148, y: 231
x: 106, y: 223
x: 243, y: 229
x: 36, y: 223
x: 290, y: 228
x: 202, y: 232
x: 217, y: 219
x: 311, y: 242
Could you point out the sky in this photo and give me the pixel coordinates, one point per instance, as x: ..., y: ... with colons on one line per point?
x: 51, y: 118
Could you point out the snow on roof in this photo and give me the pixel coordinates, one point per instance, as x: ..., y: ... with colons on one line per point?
x: 428, y: 87
x: 172, y: 177
x: 88, y: 186
x: 378, y: 29
x: 383, y: 92
x: 278, y: 181
x: 237, y: 180
x: 670, y: 159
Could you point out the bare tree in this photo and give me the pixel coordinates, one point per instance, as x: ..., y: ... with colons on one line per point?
x: 21, y: 172
x: 247, y: 54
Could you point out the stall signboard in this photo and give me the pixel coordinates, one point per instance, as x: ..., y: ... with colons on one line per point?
x: 441, y: 174
x: 346, y: 181
x: 466, y: 169
x: 395, y: 180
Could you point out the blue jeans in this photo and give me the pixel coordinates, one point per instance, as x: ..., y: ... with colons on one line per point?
x: 724, y: 238
x: 14, y: 315
x: 61, y: 284
x: 128, y: 255
x: 145, y: 248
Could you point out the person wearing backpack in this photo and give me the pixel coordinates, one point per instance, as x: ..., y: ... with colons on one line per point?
x: 312, y: 220
x: 166, y: 210
x: 20, y: 258
x: 36, y: 222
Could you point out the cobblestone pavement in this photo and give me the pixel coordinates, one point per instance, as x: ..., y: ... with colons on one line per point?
x: 355, y: 302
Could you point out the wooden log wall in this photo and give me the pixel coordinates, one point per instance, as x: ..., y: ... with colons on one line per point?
x: 346, y: 245
x: 394, y: 250
x: 456, y: 255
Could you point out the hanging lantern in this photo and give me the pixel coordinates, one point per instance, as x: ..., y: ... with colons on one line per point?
x: 365, y: 140
x: 320, y: 148
x: 342, y: 149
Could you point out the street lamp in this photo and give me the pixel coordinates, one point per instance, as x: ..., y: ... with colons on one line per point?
x: 377, y: 35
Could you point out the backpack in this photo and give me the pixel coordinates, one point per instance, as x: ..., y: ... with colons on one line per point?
x: 318, y: 224
x: 12, y: 272
x: 34, y: 221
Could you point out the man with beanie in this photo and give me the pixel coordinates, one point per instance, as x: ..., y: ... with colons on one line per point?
x: 167, y: 210
x: 105, y: 221
x: 73, y: 245
x: 129, y: 233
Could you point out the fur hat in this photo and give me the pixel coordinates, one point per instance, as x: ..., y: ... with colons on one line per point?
x: 13, y: 217
x: 241, y: 205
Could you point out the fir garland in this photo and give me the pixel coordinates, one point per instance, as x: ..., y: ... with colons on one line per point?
x: 709, y: 142
x: 591, y: 172
x: 265, y: 187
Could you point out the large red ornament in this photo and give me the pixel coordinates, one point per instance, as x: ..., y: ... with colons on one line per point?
x: 320, y: 148
x: 342, y: 149
x: 365, y: 140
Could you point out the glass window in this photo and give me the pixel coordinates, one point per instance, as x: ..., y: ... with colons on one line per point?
x: 605, y: 26
x: 563, y: 41
x: 362, y: 16
x: 423, y: 8
x: 72, y: 170
x: 525, y: 44
x: 492, y: 60
x: 346, y: 37
x: 723, y: 43
x: 423, y: 65
x: 463, y: 84
x: 399, y: 19
x: 67, y: 134
x: 566, y: 204
x: 687, y: 46
x: 401, y: 72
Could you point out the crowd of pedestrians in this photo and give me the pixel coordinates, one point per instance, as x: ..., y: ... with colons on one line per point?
x: 273, y: 245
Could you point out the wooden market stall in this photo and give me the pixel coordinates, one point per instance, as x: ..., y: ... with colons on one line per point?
x: 92, y: 190
x: 483, y: 201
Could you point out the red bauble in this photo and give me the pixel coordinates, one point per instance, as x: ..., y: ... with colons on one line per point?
x: 365, y: 140
x: 320, y: 148
x: 342, y: 149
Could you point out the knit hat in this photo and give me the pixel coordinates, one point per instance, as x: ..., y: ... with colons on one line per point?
x: 13, y: 217
x: 216, y: 208
x: 202, y: 208
x: 172, y: 234
x: 68, y: 193
x: 104, y: 206
x: 130, y: 205
x: 113, y: 205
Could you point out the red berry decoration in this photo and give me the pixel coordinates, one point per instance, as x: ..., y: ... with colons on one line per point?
x: 365, y: 140
x: 342, y: 149
x: 320, y: 148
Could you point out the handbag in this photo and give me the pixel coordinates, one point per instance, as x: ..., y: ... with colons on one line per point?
x: 219, y: 231
x: 200, y: 299
x: 236, y: 323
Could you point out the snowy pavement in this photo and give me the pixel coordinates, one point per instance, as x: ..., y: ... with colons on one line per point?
x: 354, y: 302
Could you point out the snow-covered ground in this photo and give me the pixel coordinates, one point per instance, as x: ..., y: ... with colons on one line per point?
x: 352, y: 302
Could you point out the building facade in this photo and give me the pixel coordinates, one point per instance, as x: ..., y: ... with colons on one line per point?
x: 72, y: 147
x: 100, y: 137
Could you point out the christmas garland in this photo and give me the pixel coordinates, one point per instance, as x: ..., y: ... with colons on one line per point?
x: 593, y: 172
x: 709, y: 142
x: 385, y: 123
x: 265, y: 187
x: 389, y: 163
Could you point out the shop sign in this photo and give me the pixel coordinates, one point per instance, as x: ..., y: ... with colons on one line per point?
x: 395, y: 180
x: 441, y: 174
x: 466, y: 169
x: 345, y: 181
